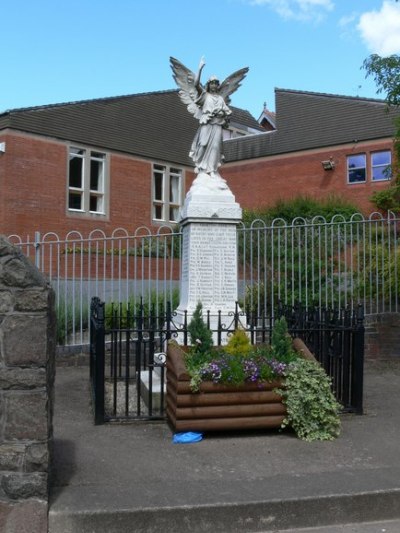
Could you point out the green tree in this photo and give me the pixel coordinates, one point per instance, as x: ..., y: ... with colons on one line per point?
x: 386, y: 74
x: 200, y: 336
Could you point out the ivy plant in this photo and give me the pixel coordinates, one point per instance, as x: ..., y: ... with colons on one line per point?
x: 312, y: 410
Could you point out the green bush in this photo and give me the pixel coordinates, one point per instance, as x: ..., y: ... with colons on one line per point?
x: 200, y: 335
x: 294, y: 261
x: 281, y: 341
x: 152, y: 307
x: 304, y: 207
x: 70, y: 317
x: 238, y: 343
x: 380, y: 280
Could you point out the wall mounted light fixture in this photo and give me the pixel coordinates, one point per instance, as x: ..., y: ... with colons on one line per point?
x: 328, y: 164
x: 2, y: 147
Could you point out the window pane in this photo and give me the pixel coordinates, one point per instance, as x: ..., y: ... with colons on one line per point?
x: 158, y: 212
x: 357, y: 175
x: 173, y: 214
x: 174, y: 189
x: 78, y: 151
x: 381, y: 158
x: 76, y: 172
x: 96, y: 175
x: 356, y: 161
x: 75, y: 201
x: 158, y: 186
x: 96, y: 204
x: 381, y: 173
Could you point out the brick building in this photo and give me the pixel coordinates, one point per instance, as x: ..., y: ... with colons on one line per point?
x: 323, y: 144
x: 123, y: 161
x: 107, y: 163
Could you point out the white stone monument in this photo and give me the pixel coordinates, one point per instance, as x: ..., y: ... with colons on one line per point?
x: 210, y: 214
x: 209, y: 259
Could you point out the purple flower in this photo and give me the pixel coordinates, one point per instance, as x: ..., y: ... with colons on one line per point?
x: 251, y: 370
x: 277, y: 367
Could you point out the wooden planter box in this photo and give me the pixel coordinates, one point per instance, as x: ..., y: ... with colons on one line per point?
x: 218, y: 407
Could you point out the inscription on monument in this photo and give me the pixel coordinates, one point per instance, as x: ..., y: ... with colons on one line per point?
x: 209, y: 254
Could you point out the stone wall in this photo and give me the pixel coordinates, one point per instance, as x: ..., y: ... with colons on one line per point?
x: 27, y: 356
x: 382, y: 336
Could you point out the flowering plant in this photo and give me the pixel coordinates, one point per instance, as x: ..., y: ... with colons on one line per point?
x: 235, y: 370
x: 239, y: 362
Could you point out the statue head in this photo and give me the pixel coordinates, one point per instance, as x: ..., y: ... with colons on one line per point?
x: 212, y: 84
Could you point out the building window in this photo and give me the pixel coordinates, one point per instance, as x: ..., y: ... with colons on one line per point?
x: 86, y: 181
x: 381, y: 165
x: 356, y: 168
x: 167, y: 193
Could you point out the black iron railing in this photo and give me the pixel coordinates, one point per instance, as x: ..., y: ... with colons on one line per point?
x: 336, y: 338
x: 128, y: 345
x: 97, y: 358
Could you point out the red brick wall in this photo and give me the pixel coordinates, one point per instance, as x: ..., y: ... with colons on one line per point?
x: 382, y: 336
x: 262, y: 182
x: 33, y: 181
x: 33, y: 184
x: 33, y: 174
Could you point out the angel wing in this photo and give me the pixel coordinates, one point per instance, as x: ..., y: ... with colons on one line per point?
x: 232, y: 83
x: 186, y: 80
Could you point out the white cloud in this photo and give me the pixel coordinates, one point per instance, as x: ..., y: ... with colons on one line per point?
x: 347, y: 20
x: 380, y: 30
x: 298, y: 9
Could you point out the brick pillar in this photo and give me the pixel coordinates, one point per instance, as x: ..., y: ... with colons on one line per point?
x: 382, y: 336
x: 27, y: 366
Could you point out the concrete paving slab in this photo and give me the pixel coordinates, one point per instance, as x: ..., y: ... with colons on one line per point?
x: 131, y: 477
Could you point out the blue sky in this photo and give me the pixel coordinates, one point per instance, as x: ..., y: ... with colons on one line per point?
x: 55, y: 51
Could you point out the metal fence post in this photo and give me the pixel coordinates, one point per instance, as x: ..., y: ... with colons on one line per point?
x: 358, y: 372
x: 97, y: 358
x: 37, y: 245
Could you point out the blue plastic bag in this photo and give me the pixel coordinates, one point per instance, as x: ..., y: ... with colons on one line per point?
x: 187, y: 438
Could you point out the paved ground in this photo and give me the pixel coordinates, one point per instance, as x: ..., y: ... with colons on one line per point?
x: 390, y: 526
x: 117, y: 478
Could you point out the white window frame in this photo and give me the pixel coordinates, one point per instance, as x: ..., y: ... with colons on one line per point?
x: 162, y: 196
x: 83, y: 189
x: 355, y: 168
x: 384, y: 166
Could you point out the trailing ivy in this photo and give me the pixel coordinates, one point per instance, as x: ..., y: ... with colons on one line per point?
x: 312, y: 410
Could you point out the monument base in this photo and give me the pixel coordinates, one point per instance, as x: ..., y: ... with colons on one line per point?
x: 209, y: 221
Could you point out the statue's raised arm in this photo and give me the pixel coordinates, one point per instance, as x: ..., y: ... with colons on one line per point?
x: 209, y: 105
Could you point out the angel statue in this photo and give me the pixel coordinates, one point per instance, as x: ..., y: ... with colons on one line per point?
x: 209, y: 105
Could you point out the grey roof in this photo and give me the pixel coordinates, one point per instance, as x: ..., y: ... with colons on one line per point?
x: 307, y: 120
x: 153, y: 125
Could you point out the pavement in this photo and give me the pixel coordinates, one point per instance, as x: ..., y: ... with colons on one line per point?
x: 119, y: 478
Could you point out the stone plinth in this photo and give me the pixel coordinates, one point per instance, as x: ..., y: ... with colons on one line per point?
x: 209, y: 258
